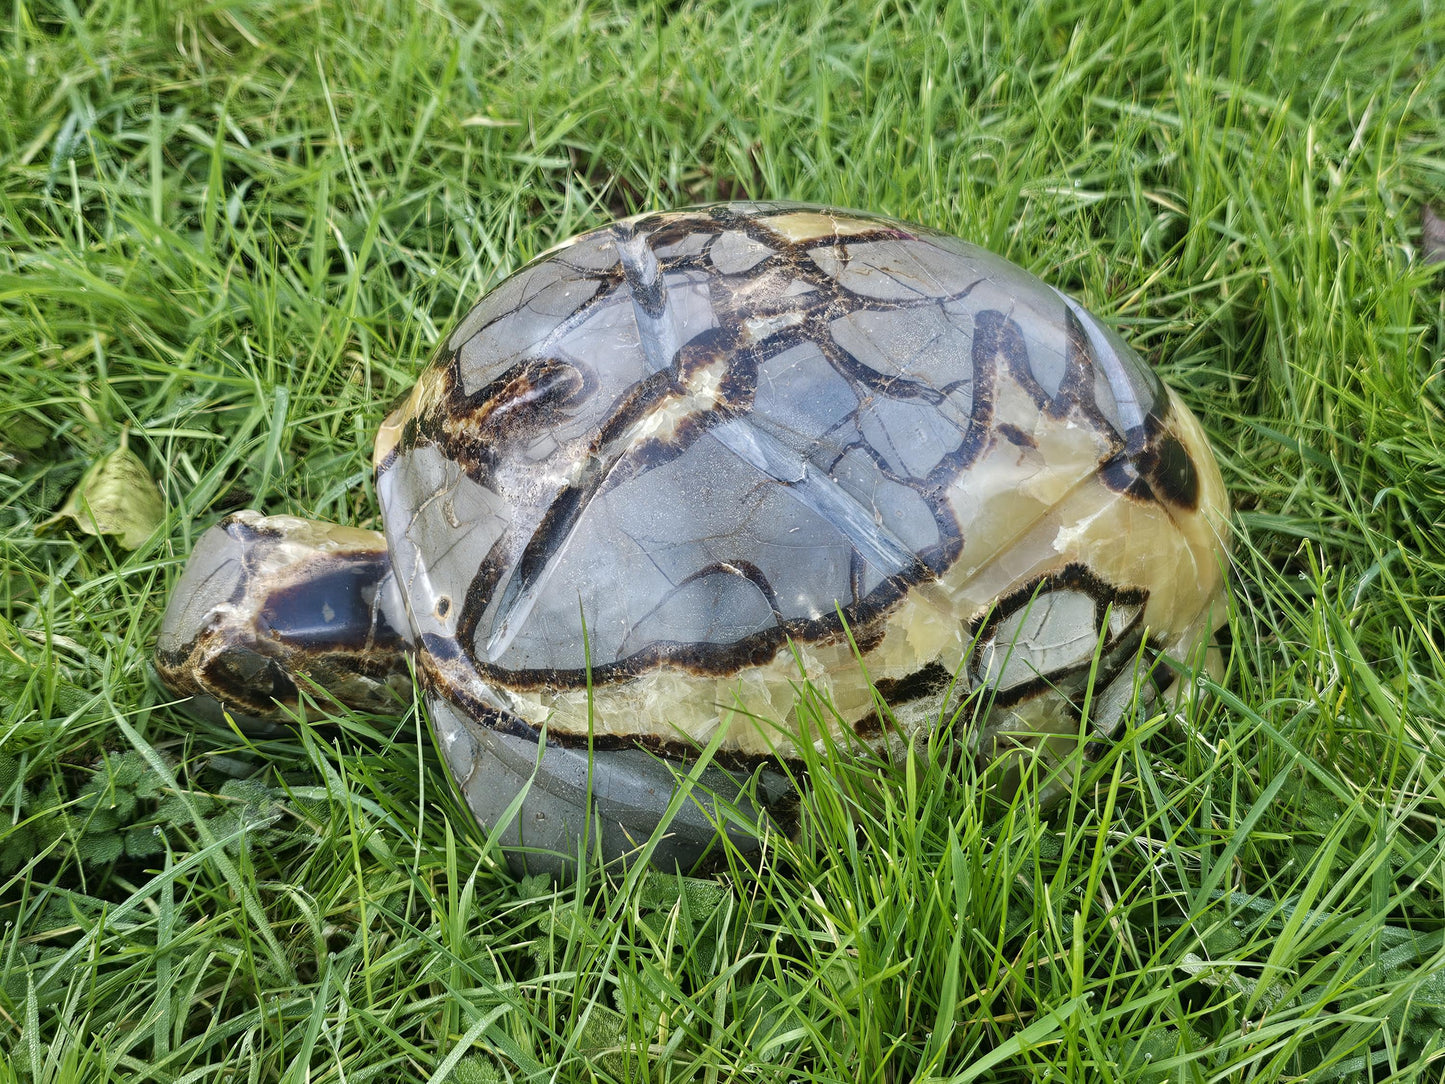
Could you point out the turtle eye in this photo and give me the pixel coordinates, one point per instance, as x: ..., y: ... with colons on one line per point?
x: 332, y: 608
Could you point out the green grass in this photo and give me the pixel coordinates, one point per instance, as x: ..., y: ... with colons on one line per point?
x: 230, y: 233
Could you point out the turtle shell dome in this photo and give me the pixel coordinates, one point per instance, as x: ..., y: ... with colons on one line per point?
x: 670, y: 466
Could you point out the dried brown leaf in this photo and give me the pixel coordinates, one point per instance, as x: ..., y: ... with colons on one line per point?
x: 116, y: 496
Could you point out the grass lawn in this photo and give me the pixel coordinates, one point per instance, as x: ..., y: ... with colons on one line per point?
x: 231, y: 232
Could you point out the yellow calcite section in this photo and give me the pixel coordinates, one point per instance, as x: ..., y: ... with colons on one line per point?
x: 817, y: 226
x: 426, y: 393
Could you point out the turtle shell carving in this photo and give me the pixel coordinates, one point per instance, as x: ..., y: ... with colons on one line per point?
x: 717, y: 438
x: 671, y: 466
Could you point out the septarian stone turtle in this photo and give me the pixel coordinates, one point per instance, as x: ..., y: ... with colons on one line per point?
x: 668, y: 465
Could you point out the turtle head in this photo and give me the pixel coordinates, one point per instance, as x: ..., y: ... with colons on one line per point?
x: 270, y: 605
